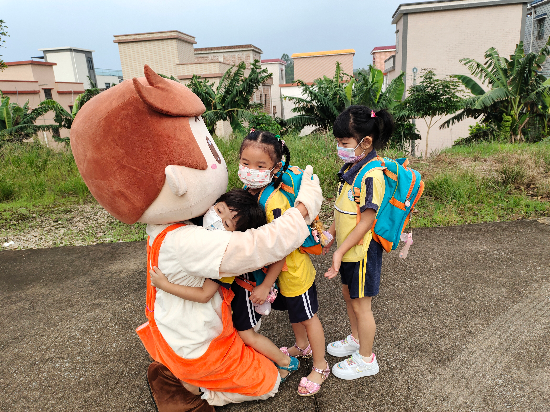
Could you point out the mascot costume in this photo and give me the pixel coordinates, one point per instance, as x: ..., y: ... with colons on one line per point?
x: 146, y: 156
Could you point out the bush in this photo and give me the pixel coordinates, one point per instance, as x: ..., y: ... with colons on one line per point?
x: 263, y: 121
x: 479, y: 133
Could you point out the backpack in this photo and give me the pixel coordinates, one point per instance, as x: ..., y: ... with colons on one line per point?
x: 403, y: 189
x: 289, y: 187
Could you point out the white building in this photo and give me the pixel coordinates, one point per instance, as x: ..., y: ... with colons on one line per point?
x: 73, y: 64
x: 277, y: 68
x: 107, y: 77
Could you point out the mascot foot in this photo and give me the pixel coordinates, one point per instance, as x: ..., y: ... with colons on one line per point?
x: 170, y: 395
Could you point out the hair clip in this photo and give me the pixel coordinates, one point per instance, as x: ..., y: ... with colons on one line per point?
x: 252, y: 130
x: 278, y: 137
x: 372, y: 114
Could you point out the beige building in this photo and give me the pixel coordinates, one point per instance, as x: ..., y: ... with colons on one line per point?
x: 35, y: 81
x: 311, y: 66
x: 379, y: 56
x: 437, y: 34
x: 277, y: 68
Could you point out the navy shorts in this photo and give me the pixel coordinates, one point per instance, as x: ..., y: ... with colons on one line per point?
x: 363, y: 277
x: 300, y: 308
x: 244, y: 315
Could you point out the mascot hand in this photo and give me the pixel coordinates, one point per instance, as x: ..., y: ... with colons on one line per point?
x: 310, y: 194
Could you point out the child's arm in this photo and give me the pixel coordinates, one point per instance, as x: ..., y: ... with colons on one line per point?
x: 260, y: 292
x: 195, y: 294
x: 364, y: 225
x: 332, y: 231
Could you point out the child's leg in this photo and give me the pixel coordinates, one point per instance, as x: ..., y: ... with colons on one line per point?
x: 351, y: 312
x: 265, y: 346
x: 316, y: 338
x: 302, y: 341
x: 366, y: 325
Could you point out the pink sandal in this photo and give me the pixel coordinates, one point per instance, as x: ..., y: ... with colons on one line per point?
x: 311, y: 387
x: 304, y: 353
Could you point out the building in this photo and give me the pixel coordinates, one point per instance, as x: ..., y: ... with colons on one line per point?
x: 314, y: 65
x: 72, y: 64
x: 35, y: 81
x: 537, y: 30
x: 277, y: 68
x: 107, y: 77
x: 437, y: 34
x: 379, y: 56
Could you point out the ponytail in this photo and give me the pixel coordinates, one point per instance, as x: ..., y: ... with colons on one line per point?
x: 360, y: 121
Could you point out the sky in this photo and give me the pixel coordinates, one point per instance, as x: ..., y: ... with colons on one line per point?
x: 276, y: 27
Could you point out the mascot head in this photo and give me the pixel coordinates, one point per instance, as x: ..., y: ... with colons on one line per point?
x: 145, y: 153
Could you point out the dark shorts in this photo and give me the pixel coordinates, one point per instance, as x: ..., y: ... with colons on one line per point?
x: 244, y: 315
x: 363, y: 277
x: 300, y: 308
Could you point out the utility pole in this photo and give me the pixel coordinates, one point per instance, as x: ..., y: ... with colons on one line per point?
x: 414, y: 70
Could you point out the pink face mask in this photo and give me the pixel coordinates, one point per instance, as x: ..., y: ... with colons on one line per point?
x: 254, y: 178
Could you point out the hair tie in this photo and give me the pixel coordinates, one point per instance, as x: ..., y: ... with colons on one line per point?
x: 252, y: 130
x: 280, y: 140
x: 372, y: 114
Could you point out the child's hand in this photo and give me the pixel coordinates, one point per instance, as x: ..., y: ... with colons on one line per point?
x: 157, y: 278
x: 259, y: 294
x: 336, y: 262
x: 328, y: 246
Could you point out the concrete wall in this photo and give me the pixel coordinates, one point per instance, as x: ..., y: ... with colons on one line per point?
x: 437, y: 40
x: 310, y: 68
x: 378, y: 58
x: 104, y: 82
x: 278, y: 75
x: 532, y: 42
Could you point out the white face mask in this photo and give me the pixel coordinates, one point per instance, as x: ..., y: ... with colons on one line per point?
x: 254, y: 178
x: 212, y: 221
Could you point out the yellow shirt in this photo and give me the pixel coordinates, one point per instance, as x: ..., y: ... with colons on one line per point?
x: 345, y: 212
x: 298, y: 274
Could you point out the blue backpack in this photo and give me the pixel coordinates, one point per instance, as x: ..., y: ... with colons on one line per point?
x: 289, y: 187
x: 403, y: 189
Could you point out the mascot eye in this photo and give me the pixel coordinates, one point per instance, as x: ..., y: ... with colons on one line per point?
x: 213, y: 149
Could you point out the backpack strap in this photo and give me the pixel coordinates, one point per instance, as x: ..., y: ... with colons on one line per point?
x: 376, y: 163
x: 247, y: 284
x: 153, y: 260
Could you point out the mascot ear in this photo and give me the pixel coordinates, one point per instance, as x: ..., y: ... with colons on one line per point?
x: 176, y: 181
x: 167, y: 96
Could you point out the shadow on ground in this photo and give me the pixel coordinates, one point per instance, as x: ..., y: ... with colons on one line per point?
x: 463, y: 324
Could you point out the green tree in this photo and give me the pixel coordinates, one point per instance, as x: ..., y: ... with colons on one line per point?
x: 432, y: 99
x: 516, y: 88
x: 289, y: 68
x: 84, y: 97
x: 18, y: 123
x: 323, y: 101
x: 3, y: 33
x: 231, y: 100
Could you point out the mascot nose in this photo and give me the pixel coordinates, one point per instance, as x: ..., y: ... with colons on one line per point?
x: 176, y: 181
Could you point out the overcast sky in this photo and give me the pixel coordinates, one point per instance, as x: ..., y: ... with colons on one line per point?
x: 276, y: 27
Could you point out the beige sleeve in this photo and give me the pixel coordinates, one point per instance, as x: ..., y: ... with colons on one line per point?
x: 255, y: 248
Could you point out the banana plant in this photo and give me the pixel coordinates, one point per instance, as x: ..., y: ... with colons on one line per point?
x: 516, y: 88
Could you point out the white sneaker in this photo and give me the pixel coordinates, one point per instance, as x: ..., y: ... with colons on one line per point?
x: 355, y: 367
x: 344, y: 347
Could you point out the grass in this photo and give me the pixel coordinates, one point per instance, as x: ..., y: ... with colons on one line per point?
x: 467, y: 184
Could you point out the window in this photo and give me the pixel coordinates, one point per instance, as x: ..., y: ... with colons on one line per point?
x: 540, y: 28
x: 70, y: 109
x: 47, y: 94
x: 90, y: 64
x: 107, y: 85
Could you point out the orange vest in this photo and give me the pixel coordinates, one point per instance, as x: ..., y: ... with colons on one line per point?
x: 227, y: 366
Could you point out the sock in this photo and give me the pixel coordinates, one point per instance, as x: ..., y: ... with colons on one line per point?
x: 370, y: 359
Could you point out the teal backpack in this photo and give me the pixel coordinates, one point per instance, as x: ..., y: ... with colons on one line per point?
x: 289, y: 187
x: 403, y: 189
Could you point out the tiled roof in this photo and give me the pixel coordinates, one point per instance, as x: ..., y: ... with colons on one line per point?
x: 274, y: 61
x: 30, y: 62
x: 236, y: 47
x: 382, y: 48
x: 324, y: 53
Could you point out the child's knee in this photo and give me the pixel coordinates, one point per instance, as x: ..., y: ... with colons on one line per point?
x: 362, y: 305
x: 248, y: 336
